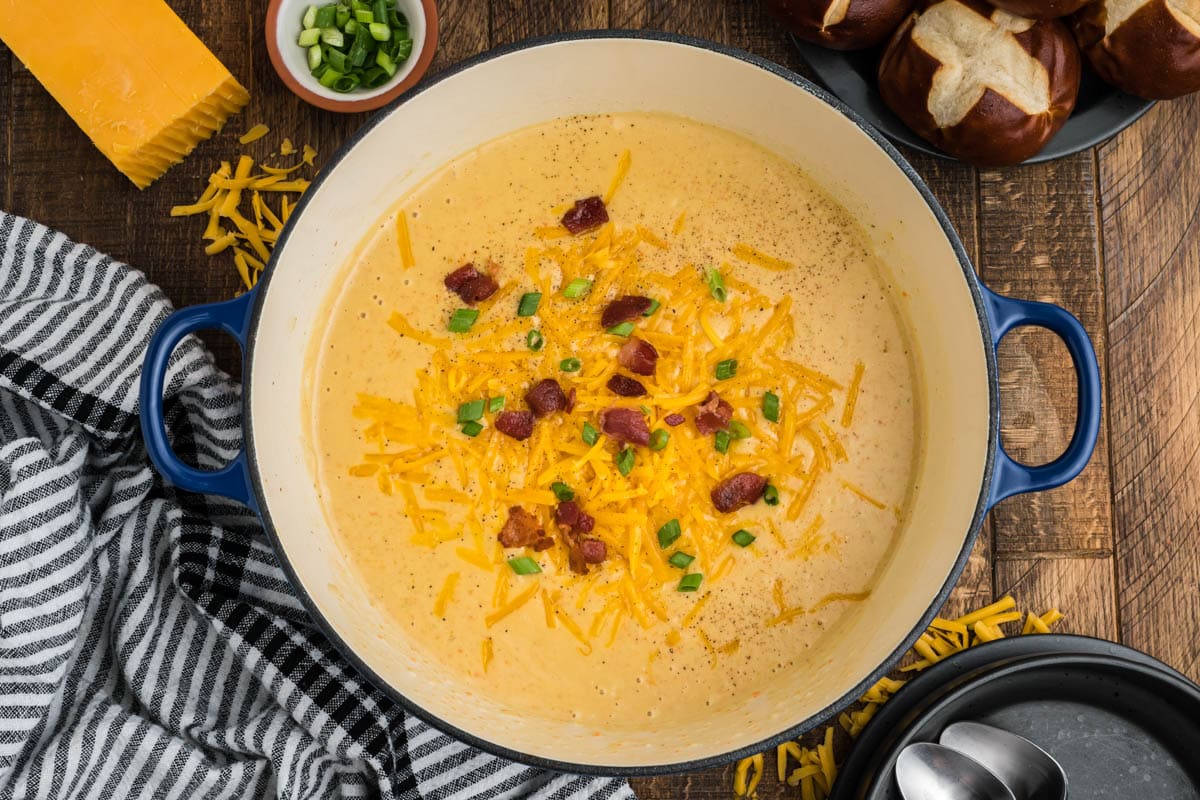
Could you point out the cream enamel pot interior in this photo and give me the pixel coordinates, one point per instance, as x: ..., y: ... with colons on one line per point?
x: 956, y: 326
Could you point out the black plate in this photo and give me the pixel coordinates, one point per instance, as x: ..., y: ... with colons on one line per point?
x: 1101, y: 111
x: 1122, y: 724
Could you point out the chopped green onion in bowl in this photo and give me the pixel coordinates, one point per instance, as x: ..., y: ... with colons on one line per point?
x: 355, y: 44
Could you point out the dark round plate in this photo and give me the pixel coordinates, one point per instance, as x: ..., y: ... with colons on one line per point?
x: 1122, y: 724
x: 1101, y: 111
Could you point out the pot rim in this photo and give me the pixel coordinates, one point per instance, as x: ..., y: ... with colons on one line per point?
x: 693, y: 765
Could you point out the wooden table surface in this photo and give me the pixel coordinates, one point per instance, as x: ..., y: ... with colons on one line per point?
x: 1113, y: 235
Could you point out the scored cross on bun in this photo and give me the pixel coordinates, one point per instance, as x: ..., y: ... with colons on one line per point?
x: 1150, y: 48
x: 841, y: 24
x: 984, y: 85
x: 1041, y: 9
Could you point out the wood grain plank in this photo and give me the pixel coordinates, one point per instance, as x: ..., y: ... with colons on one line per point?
x: 6, y: 111
x: 1079, y: 587
x: 750, y: 27
x: 703, y: 18
x: 1150, y: 201
x: 1038, y: 233
x: 513, y: 20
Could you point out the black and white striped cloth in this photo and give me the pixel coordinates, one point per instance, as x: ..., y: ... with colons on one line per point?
x: 149, y: 643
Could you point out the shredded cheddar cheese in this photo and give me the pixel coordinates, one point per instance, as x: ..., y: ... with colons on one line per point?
x: 455, y: 488
x: 249, y: 233
x: 816, y: 767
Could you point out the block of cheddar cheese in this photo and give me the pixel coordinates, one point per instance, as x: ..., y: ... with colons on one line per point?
x: 138, y: 82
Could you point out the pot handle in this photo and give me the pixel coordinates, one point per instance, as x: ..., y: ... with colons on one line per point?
x: 233, y: 317
x: 1010, y: 477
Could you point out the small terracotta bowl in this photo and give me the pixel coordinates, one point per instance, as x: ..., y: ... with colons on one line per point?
x: 291, y: 63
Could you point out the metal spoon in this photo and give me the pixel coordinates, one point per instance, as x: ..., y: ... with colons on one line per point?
x: 928, y: 771
x: 1028, y: 770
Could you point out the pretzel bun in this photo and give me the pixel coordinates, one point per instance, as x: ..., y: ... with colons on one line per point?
x: 841, y: 24
x: 1008, y: 85
x: 1149, y: 48
x: 1041, y: 9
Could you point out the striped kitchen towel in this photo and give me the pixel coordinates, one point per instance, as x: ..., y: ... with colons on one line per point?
x: 150, y: 645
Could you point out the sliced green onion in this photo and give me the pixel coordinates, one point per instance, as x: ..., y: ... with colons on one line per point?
x: 403, y: 48
x: 771, y: 495
x: 524, y: 565
x: 472, y: 429
x: 624, y: 461
x: 383, y: 60
x: 726, y: 369
x: 495, y: 404
x: 310, y: 17
x: 337, y: 60
x: 364, y: 16
x: 333, y: 37
x: 738, y: 430
x: 562, y: 492
x: 743, y: 538
x: 534, y: 340
x: 380, y: 31
x: 570, y: 365
x: 461, y: 319
x: 659, y: 439
x: 470, y: 411
x: 529, y: 303
x: 654, y: 306
x: 770, y: 406
x: 325, y: 17
x: 645, y: 410
x: 320, y: 70
x: 668, y: 533
x: 341, y: 16
x: 577, y: 288
x: 314, y: 57
x: 690, y: 582
x: 374, y: 76
x: 309, y: 37
x: 380, y: 9
x: 358, y: 51
x: 721, y: 441
x: 359, y: 5
x: 329, y: 77
x: 624, y: 329
x: 716, y: 285
x: 590, y: 434
x: 680, y: 559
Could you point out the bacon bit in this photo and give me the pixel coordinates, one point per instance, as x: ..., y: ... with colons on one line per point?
x: 713, y: 414
x: 638, y: 356
x: 625, y: 425
x: 625, y: 386
x: 521, y: 529
x: 674, y: 419
x: 570, y: 515
x: 586, y: 214
x: 570, y: 400
x: 582, y: 550
x: 517, y: 424
x: 470, y: 284
x: 546, y: 397
x: 594, y: 551
x: 544, y: 543
x: 738, y: 491
x: 626, y: 308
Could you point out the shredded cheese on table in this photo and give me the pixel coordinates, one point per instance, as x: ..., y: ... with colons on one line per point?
x: 816, y: 767
x: 250, y: 233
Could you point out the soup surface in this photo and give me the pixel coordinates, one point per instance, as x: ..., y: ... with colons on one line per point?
x: 760, y: 288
